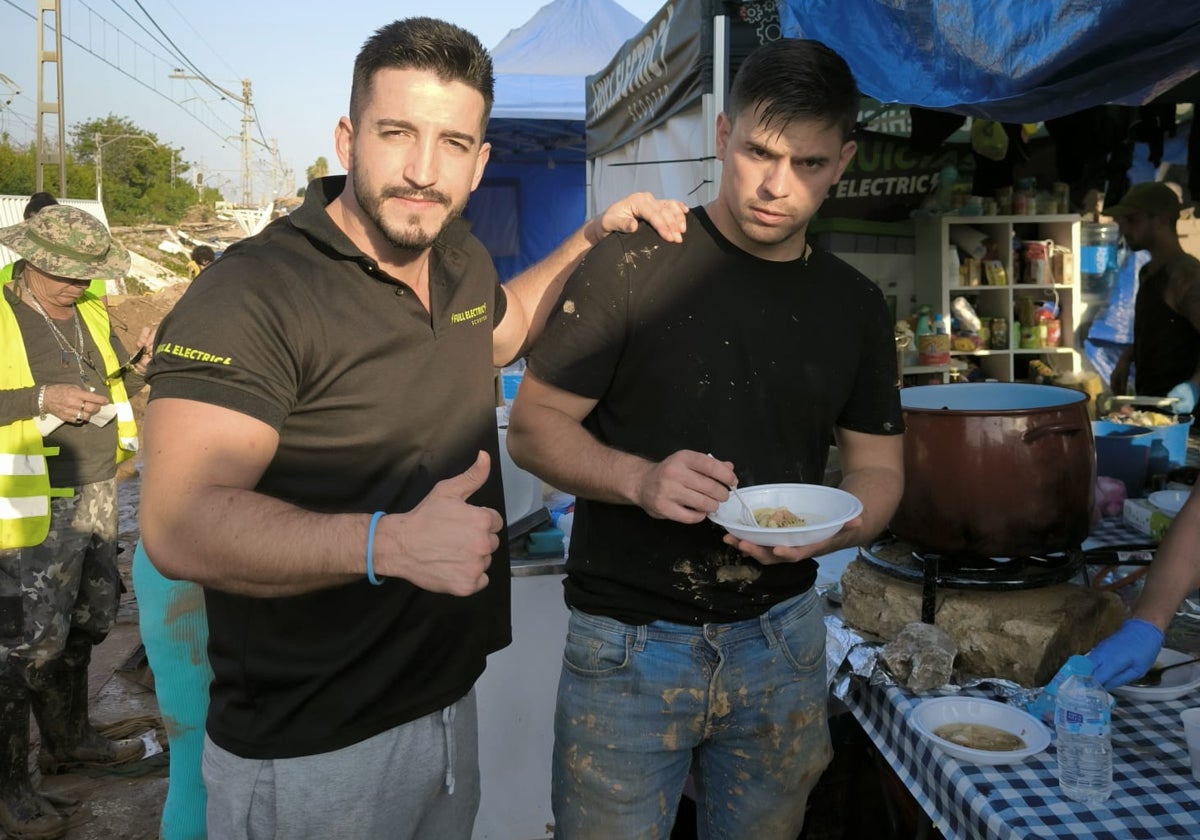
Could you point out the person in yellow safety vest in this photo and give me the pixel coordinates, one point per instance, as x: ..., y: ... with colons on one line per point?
x: 65, y: 423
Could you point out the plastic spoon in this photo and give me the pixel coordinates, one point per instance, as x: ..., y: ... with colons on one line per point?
x: 747, y: 513
x: 1153, y: 677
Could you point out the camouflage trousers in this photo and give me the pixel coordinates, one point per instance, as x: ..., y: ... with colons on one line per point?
x: 67, y: 586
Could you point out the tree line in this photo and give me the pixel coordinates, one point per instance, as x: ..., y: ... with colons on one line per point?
x: 143, y: 180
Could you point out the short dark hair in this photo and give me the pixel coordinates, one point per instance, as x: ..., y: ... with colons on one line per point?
x: 203, y: 254
x: 796, y: 79
x: 422, y: 43
x: 37, y: 201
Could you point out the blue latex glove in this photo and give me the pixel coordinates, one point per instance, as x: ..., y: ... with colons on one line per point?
x: 1187, y: 395
x: 1126, y: 654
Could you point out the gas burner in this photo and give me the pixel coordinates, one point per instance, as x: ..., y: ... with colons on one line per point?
x: 905, y: 561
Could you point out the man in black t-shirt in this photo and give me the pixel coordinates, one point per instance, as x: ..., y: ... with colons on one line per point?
x: 687, y: 649
x: 321, y: 435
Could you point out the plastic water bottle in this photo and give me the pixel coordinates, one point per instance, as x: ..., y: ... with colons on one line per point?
x: 1083, y: 723
x: 1043, y: 705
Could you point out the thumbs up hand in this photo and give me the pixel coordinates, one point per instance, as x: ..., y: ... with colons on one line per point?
x: 443, y: 544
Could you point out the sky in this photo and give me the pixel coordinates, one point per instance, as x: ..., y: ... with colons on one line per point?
x: 118, y: 59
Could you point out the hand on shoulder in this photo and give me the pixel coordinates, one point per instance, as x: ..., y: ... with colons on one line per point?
x: 667, y: 216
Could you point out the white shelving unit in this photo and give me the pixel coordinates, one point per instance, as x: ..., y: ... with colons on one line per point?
x: 932, y: 285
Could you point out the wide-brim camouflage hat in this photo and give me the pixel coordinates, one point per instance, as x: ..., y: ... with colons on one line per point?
x: 67, y: 242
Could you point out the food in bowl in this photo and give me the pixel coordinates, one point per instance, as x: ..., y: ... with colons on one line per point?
x: 980, y: 736
x: 824, y: 511
x: 934, y: 715
x: 777, y: 517
x: 1135, y: 417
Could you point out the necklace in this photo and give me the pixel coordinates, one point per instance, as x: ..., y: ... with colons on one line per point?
x: 66, y: 348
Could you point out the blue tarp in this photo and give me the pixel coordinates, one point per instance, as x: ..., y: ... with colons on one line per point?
x: 1007, y: 60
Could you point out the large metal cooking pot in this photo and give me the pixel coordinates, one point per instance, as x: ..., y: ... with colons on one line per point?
x: 996, y: 469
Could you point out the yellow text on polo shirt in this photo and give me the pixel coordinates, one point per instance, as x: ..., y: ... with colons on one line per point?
x: 473, y: 316
x: 169, y: 349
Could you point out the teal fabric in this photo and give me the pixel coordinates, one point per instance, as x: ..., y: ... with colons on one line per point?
x: 174, y: 630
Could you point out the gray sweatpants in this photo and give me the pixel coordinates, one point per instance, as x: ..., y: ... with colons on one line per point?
x: 419, y: 780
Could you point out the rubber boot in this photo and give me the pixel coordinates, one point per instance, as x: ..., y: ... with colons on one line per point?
x: 60, y: 704
x: 24, y: 813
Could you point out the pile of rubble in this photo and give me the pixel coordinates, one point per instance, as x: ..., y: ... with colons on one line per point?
x: 159, y: 254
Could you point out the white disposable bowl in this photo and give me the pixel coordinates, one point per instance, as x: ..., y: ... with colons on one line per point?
x: 939, y: 711
x: 824, y: 509
x: 1176, y: 683
x: 1169, y: 501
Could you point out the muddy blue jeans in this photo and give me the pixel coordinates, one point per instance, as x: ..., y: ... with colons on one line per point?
x: 740, y: 705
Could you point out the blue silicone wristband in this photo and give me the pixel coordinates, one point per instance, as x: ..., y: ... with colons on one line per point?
x: 371, y: 548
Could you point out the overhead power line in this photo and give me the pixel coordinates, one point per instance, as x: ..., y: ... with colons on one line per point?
x: 182, y: 56
x: 101, y: 39
x: 166, y: 64
x: 200, y: 37
x: 136, y: 22
x: 195, y: 69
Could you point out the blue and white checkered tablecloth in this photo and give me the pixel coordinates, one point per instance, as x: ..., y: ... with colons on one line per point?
x: 1154, y: 795
x: 1114, y: 531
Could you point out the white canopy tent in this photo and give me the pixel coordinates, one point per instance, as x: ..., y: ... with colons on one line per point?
x: 534, y: 189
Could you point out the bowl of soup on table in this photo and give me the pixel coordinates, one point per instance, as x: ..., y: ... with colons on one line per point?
x: 978, y: 731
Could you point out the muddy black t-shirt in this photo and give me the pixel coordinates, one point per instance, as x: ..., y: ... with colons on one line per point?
x: 701, y: 346
x: 375, y: 400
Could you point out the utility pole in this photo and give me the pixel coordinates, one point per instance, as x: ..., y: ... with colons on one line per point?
x: 101, y: 141
x: 247, y: 121
x: 45, y: 107
x: 275, y: 168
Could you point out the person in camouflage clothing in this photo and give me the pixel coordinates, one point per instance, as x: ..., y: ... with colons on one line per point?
x: 65, y: 422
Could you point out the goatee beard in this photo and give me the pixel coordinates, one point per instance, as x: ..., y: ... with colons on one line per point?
x: 412, y: 238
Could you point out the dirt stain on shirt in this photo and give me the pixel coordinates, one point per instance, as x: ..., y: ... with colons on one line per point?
x: 630, y: 258
x: 736, y: 572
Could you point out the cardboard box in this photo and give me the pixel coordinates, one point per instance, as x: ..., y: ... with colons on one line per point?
x: 1137, y: 514
x: 969, y: 272
x: 1062, y: 265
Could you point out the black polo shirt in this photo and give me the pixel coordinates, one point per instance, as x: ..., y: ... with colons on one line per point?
x: 702, y: 346
x: 375, y: 399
